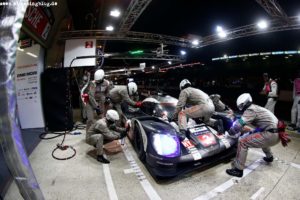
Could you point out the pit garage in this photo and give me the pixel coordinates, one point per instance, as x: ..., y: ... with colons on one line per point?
x: 51, y: 51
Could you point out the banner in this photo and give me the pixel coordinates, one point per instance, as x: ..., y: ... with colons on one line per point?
x: 29, y: 65
x: 40, y: 20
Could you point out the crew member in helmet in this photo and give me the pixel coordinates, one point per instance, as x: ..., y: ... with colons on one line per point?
x: 219, y: 105
x: 267, y: 135
x: 122, y: 93
x: 200, y: 106
x: 105, y: 130
x: 270, y: 89
x: 98, y: 90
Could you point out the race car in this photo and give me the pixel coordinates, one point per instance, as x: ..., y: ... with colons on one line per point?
x: 158, y: 145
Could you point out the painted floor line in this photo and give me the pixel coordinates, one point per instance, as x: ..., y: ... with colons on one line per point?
x: 109, y: 183
x: 256, y: 194
x: 128, y: 171
x: 278, y: 160
x: 223, y: 187
x: 148, y: 188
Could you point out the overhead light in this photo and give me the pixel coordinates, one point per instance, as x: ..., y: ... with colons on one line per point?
x: 115, y: 13
x: 222, y: 34
x: 109, y: 28
x: 31, y: 54
x: 169, y: 62
x: 219, y: 29
x: 183, y: 52
x: 262, y: 24
x: 153, y: 67
x: 225, y: 56
x: 195, y: 42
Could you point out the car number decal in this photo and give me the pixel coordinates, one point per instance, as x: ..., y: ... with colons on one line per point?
x: 191, y: 149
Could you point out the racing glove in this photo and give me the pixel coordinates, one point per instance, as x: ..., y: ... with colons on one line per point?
x: 85, y: 98
x: 98, y: 111
x: 138, y: 104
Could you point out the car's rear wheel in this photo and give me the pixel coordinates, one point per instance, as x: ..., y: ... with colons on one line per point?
x: 139, y: 143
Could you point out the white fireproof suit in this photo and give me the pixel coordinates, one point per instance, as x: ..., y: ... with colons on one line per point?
x: 266, y: 122
x: 272, y: 95
x: 99, y: 134
x: 201, y: 107
x: 295, y: 113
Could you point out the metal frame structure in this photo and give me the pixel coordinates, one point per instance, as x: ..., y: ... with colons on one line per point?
x: 273, y: 9
x: 147, y: 56
x: 275, y: 25
x: 133, y: 12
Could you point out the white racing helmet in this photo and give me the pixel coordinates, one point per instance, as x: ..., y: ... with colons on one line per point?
x: 112, y: 115
x: 132, y: 88
x: 99, y: 75
x: 184, y: 83
x: 244, y: 101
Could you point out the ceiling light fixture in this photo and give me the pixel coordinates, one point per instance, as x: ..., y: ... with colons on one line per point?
x: 115, y: 13
x: 183, y: 52
x: 109, y: 28
x: 195, y: 42
x: 262, y: 24
x: 221, y: 32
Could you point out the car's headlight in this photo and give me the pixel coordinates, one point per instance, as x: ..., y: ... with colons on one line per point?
x: 166, y: 145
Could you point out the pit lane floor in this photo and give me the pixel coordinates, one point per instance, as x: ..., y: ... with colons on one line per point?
x: 126, y: 178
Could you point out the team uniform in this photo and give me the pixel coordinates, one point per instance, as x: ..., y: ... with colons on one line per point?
x: 263, y: 120
x: 295, y: 112
x: 271, y: 89
x: 201, y: 107
x: 120, y: 94
x: 97, y: 92
x: 267, y: 132
x: 104, y: 130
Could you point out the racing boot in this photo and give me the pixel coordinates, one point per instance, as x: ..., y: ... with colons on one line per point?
x: 235, y: 172
x: 268, y: 159
x: 101, y: 159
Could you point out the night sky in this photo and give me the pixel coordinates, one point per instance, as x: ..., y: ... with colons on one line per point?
x: 180, y: 18
x: 183, y: 17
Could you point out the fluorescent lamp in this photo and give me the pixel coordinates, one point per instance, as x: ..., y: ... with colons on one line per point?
x: 31, y: 54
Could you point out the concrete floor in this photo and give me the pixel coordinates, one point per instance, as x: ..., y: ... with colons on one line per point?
x: 82, y: 177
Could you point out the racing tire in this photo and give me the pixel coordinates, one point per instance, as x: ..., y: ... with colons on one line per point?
x: 139, y: 143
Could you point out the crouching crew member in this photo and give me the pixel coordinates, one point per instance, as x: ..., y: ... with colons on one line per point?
x: 103, y: 131
x: 200, y: 106
x: 267, y: 135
